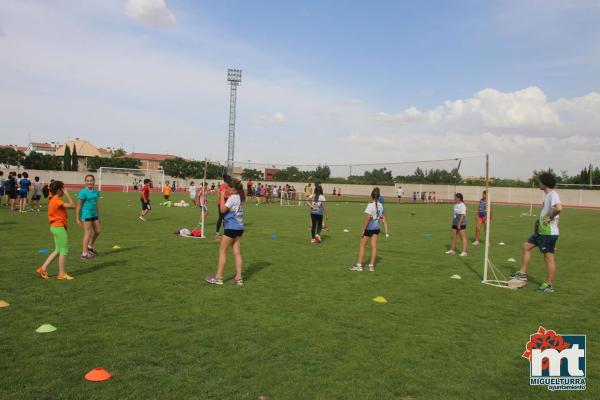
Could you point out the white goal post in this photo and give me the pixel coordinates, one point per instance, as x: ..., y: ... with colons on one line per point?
x: 126, y: 178
x: 291, y: 198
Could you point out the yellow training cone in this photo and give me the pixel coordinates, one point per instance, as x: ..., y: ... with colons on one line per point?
x: 3, y: 304
x: 380, y: 299
x: 116, y: 247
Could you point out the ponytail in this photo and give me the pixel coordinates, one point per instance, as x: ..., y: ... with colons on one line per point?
x: 375, y: 195
x: 239, y: 189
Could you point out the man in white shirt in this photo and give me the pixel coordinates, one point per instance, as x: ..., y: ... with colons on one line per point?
x: 545, y: 236
x: 399, y: 193
x: 193, y: 193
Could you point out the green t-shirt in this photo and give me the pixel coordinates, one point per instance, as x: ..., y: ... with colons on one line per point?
x: 90, y: 201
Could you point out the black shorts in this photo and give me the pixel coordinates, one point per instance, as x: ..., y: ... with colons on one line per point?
x: 459, y: 228
x: 145, y: 205
x: 546, y: 243
x: 91, y: 219
x: 36, y: 197
x: 233, y: 233
x: 371, y: 232
x: 12, y: 194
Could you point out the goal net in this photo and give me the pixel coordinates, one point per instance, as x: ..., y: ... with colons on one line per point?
x: 128, y: 179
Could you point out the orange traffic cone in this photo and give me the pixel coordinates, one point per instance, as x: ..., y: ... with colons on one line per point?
x: 98, y: 375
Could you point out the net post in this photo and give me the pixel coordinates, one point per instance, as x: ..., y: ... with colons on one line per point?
x: 100, y: 179
x: 531, y: 197
x: 203, y: 235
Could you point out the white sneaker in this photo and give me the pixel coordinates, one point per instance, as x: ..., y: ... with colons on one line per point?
x: 475, y: 243
x: 463, y: 254
x: 142, y: 219
x: 313, y: 241
x: 371, y: 268
x: 450, y: 252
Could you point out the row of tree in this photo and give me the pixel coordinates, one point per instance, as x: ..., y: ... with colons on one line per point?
x: 11, y: 157
x: 182, y: 168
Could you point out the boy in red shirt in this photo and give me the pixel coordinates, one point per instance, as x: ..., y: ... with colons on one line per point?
x: 57, y: 216
x: 145, y: 199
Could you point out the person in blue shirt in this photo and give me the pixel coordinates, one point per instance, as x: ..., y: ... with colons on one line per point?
x: 481, y: 216
x: 370, y: 232
x: 233, y: 222
x: 385, y: 224
x: 24, y: 184
x: 88, y: 216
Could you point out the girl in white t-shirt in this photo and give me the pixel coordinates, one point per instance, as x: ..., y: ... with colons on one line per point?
x: 370, y: 231
x: 193, y: 190
x: 459, y: 225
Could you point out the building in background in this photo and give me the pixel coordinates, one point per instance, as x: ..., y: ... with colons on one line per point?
x: 150, y: 161
x: 84, y: 150
x: 14, y: 146
x: 42, y: 148
x: 270, y: 173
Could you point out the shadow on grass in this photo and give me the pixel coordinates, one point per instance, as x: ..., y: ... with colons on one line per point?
x: 470, y: 268
x: 98, y: 267
x: 255, y: 268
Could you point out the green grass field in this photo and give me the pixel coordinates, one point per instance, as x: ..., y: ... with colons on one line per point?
x: 303, y: 327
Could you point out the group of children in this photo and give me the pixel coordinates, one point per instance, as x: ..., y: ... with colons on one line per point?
x: 18, y: 186
x: 459, y: 222
x: 231, y: 214
x: 425, y: 197
x: 87, y: 217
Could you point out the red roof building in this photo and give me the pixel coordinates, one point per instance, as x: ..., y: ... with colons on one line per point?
x: 150, y: 161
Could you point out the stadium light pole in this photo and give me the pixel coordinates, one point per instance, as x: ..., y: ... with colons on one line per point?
x: 234, y: 77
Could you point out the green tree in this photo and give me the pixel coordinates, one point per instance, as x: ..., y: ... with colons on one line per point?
x: 46, y: 162
x: 67, y: 159
x: 321, y: 174
x: 118, y: 153
x: 251, y: 174
x: 74, y: 159
x: 11, y: 157
x: 176, y: 167
x: 94, y: 163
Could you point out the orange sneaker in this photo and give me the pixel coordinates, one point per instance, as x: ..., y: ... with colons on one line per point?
x: 43, y: 274
x: 65, y: 277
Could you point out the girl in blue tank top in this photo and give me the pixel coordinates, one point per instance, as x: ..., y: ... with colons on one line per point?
x: 233, y: 223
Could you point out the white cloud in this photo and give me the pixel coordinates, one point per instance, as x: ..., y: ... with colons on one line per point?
x: 274, y: 119
x: 522, y: 130
x: 487, y: 109
x: 153, y: 13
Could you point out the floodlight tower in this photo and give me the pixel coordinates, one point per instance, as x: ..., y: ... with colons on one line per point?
x: 234, y: 77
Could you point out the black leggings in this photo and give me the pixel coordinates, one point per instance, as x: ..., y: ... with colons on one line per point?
x: 220, y: 220
x: 317, y: 224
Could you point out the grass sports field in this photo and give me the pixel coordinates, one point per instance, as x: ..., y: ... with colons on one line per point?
x: 303, y: 327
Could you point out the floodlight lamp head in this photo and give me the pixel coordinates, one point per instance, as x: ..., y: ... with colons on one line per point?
x: 234, y: 76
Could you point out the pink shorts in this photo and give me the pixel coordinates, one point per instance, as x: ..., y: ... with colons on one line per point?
x: 482, y: 219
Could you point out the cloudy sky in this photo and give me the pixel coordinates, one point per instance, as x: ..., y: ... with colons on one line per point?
x: 323, y: 81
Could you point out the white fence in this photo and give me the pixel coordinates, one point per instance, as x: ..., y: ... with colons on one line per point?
x: 569, y: 197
